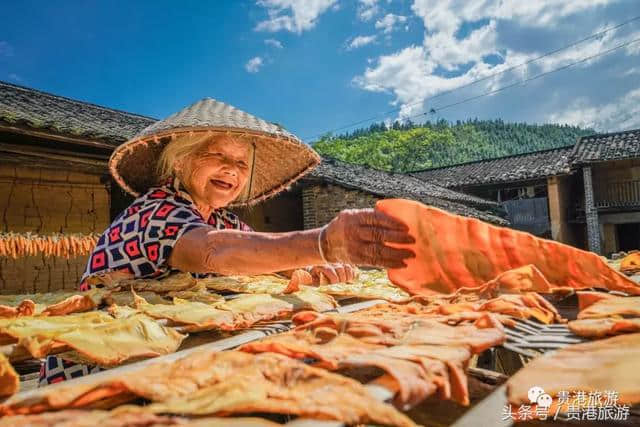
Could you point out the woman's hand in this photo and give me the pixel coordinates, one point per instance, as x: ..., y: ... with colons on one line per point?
x: 358, y: 236
x: 333, y: 273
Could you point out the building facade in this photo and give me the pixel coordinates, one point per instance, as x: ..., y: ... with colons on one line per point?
x: 54, y: 179
x: 586, y: 195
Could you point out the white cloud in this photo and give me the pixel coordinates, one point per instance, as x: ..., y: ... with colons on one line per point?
x: 587, y: 49
x: 441, y: 15
x: 295, y: 16
x: 254, y: 64
x: 367, y: 9
x: 410, y: 75
x: 449, y: 52
x: 622, y: 114
x: 634, y: 48
x: 360, y: 41
x: 389, y: 21
x: 5, y: 48
x: 273, y: 43
x: 631, y: 71
x: 415, y: 73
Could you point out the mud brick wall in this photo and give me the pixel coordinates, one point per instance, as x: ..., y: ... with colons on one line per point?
x: 322, y: 202
x: 34, y: 274
x: 48, y: 201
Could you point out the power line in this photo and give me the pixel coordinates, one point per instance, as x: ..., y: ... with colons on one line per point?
x: 506, y: 70
x: 519, y: 83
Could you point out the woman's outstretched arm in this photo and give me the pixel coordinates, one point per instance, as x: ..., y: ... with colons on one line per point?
x: 355, y: 236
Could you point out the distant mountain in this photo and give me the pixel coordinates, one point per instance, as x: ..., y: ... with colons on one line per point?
x: 408, y: 147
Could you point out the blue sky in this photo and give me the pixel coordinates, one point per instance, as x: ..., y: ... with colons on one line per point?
x: 317, y: 65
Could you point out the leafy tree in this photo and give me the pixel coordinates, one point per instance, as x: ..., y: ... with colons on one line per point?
x: 407, y: 146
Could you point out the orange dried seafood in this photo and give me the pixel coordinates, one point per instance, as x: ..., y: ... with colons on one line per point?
x: 25, y: 308
x: 485, y: 332
x: 599, y: 328
x: 524, y: 306
x: 9, y: 379
x: 228, y: 382
x: 124, y: 418
x: 96, y: 336
x: 454, y: 251
x: 298, y: 278
x: 595, y: 305
x: 192, y: 316
x: 85, y: 301
x: 606, y: 364
x: 630, y: 264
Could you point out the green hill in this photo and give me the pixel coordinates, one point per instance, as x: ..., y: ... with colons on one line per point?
x: 408, y: 147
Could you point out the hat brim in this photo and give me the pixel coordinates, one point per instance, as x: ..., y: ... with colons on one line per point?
x: 279, y: 161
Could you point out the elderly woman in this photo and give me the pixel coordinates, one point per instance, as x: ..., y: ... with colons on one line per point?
x: 189, y: 168
x: 185, y: 172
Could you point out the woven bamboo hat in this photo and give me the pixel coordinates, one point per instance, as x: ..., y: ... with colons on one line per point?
x: 279, y: 157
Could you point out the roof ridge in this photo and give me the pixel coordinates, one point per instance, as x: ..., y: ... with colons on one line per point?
x: 546, y: 150
x: 76, y: 101
x: 410, y: 178
x: 603, y: 135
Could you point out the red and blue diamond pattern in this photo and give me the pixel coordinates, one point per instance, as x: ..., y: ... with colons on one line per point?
x: 56, y: 369
x: 140, y: 240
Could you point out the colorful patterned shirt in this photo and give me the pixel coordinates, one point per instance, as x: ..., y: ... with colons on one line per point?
x: 139, y: 241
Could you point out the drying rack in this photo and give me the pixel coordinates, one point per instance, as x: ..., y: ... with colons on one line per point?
x: 526, y: 340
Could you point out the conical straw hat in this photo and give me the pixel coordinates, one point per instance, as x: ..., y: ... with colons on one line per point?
x: 280, y: 157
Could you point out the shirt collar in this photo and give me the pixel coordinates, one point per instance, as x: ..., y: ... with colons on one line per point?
x: 177, y: 189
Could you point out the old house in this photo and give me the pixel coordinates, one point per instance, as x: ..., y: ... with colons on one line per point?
x: 336, y: 185
x: 54, y: 179
x: 524, y: 185
x: 586, y: 195
x: 608, y: 178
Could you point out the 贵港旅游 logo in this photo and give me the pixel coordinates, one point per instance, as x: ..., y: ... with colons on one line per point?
x: 537, y: 396
x: 588, y: 405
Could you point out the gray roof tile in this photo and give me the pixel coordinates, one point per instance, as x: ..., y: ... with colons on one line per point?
x: 608, y: 146
x: 519, y: 167
x: 386, y: 184
x: 30, y: 108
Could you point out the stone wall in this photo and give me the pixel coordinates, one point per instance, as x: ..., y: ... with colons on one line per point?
x: 322, y: 202
x: 46, y: 201
x: 594, y: 240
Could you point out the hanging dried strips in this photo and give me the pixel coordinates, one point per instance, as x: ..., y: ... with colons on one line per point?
x: 16, y: 245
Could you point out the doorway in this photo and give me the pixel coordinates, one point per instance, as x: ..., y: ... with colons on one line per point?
x: 628, y: 236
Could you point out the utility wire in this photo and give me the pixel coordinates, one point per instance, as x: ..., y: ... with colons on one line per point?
x: 506, y: 70
x: 519, y: 83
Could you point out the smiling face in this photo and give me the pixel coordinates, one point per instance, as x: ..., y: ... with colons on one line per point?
x: 217, y: 172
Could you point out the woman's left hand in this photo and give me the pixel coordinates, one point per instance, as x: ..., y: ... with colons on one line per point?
x: 333, y: 273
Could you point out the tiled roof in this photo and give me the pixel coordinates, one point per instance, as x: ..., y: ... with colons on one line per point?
x: 519, y: 167
x: 29, y: 108
x: 388, y: 184
x: 608, y: 146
